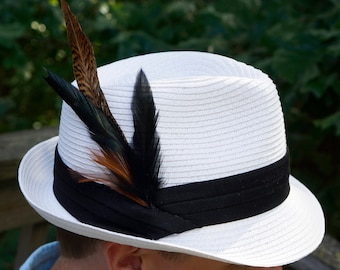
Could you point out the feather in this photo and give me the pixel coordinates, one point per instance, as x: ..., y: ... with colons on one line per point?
x: 100, y: 127
x: 133, y: 169
x: 84, y: 61
x: 114, y: 149
x: 146, y: 148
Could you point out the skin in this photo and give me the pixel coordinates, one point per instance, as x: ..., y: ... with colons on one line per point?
x: 153, y: 260
x: 111, y: 256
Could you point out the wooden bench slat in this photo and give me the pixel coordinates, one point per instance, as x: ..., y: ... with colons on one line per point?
x: 14, y: 145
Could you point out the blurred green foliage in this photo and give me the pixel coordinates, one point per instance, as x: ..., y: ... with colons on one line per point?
x: 8, y: 246
x: 296, y: 42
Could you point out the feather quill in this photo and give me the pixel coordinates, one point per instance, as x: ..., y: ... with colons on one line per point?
x: 134, y: 169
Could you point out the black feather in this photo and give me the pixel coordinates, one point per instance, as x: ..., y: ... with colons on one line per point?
x: 142, y: 159
x: 102, y: 130
x: 146, y: 146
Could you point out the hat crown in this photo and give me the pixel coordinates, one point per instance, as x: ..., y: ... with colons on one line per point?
x: 217, y: 117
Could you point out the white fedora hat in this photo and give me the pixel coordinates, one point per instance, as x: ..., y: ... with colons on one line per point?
x: 222, y: 138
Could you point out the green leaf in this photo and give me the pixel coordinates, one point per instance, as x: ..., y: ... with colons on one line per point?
x: 294, y: 65
x: 10, y: 32
x: 332, y: 121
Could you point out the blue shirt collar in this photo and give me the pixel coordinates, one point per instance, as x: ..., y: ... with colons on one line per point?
x: 43, y: 258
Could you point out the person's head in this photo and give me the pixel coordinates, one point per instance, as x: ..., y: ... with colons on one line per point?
x: 180, y: 152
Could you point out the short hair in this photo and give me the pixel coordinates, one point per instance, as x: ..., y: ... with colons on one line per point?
x: 74, y: 246
x: 173, y: 256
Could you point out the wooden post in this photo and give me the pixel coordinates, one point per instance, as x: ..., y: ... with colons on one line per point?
x: 14, y: 210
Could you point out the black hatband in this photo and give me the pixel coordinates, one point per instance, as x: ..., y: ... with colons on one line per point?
x: 175, y: 209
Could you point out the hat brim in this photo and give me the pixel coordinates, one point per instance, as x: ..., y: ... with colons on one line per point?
x: 280, y: 236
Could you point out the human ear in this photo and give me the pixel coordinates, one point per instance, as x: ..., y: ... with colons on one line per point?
x: 122, y: 257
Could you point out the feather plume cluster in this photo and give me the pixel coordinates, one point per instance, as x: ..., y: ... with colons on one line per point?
x: 134, y: 169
